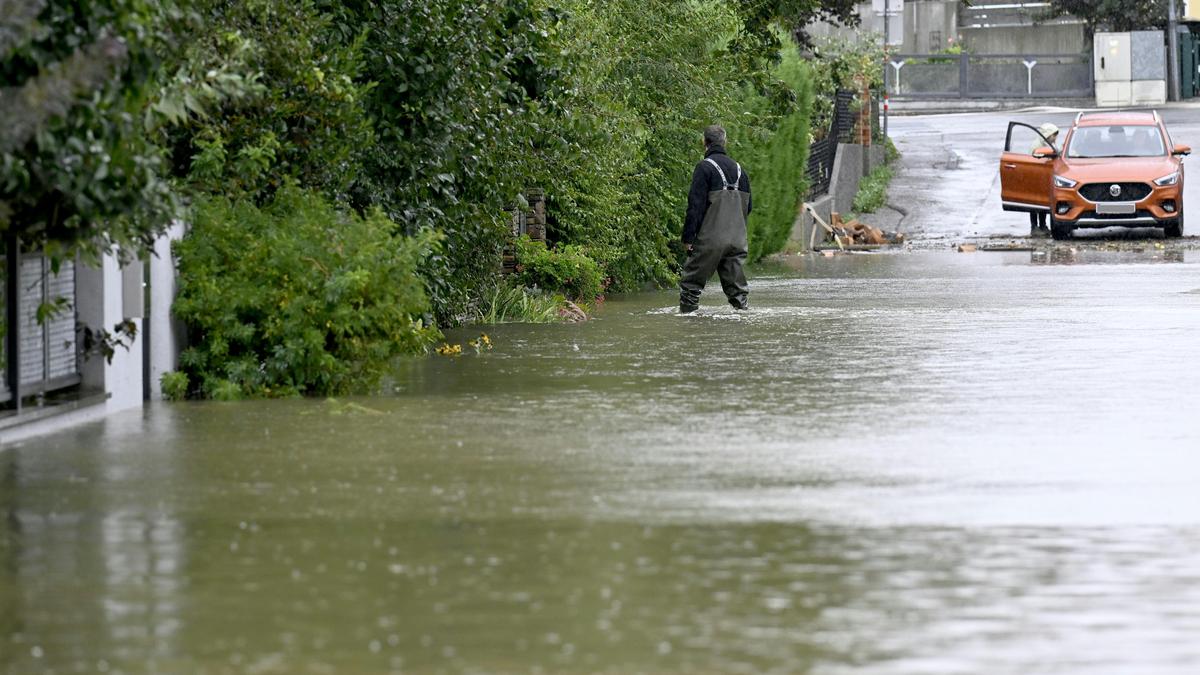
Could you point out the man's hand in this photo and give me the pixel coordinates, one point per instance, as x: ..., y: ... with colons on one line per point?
x: 688, y: 247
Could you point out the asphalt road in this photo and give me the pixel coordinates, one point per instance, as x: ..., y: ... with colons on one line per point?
x: 949, y: 180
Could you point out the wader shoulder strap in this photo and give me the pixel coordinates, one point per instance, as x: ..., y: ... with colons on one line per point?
x: 726, y: 185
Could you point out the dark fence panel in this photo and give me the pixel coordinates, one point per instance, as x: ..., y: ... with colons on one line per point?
x: 823, y: 152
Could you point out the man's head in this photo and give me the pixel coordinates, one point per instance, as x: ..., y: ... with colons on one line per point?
x: 714, y: 135
x: 1049, y: 131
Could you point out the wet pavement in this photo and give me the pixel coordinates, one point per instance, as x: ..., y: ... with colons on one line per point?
x: 917, y: 463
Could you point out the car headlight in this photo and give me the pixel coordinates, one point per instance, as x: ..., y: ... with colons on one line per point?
x: 1169, y: 179
x: 1061, y: 182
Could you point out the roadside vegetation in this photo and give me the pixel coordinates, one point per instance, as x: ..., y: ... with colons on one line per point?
x: 872, y: 190
x: 777, y: 158
x: 349, y: 170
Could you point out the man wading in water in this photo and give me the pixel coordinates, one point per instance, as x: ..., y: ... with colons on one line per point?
x: 714, y: 230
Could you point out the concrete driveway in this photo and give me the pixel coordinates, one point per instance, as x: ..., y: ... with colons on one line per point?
x: 949, y: 180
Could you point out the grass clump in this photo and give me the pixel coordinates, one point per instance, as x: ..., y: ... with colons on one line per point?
x: 515, y: 304
x: 872, y: 190
x: 174, y: 385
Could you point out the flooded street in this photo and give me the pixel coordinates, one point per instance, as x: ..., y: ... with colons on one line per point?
x: 917, y: 463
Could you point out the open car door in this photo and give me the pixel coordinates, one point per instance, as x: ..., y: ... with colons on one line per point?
x: 1025, y: 179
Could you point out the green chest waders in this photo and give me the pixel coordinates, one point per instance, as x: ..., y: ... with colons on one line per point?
x: 720, y: 246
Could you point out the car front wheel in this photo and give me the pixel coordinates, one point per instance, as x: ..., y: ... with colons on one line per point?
x: 1060, y: 230
x: 1174, y: 228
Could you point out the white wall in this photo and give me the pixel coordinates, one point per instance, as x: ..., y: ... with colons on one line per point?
x: 165, y: 333
x: 99, y: 297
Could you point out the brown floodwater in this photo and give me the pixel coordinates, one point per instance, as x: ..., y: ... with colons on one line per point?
x: 919, y: 463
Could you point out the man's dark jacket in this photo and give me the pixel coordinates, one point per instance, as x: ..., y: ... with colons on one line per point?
x: 706, y: 179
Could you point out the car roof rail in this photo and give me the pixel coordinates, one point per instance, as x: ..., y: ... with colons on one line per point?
x: 1156, y: 118
x: 1078, y: 117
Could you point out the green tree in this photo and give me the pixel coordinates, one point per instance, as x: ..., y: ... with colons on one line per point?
x: 778, y: 161
x: 292, y: 106
x: 452, y: 86
x: 1114, y: 15
x: 758, y: 40
x: 78, y: 169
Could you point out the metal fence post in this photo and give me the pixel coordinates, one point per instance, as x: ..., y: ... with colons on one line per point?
x: 887, y: 20
x: 12, y: 308
x: 1172, y: 53
x: 962, y: 75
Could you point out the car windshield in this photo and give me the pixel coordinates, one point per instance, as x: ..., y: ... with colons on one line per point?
x: 1127, y: 140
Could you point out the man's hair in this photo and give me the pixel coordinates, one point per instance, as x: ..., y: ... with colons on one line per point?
x: 714, y: 135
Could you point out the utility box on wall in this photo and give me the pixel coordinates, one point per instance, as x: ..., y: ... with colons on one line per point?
x: 1131, y: 68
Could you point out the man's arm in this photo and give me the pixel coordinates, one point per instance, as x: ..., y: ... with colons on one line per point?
x: 697, y: 204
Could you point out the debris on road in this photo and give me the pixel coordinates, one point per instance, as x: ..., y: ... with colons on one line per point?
x: 820, y: 221
x: 1007, y: 248
x: 854, y: 232
x: 967, y: 248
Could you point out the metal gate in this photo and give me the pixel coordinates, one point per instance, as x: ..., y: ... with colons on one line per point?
x: 990, y: 76
x: 46, y: 356
x: 1189, y: 65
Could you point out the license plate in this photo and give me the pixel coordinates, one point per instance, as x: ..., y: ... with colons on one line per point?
x: 1117, y: 207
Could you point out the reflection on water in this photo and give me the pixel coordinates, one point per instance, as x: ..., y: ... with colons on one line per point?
x: 1085, y: 255
x: 892, y: 464
x: 85, y: 568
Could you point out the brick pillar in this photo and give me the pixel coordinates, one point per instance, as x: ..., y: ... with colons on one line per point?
x: 864, y: 115
x: 536, y: 223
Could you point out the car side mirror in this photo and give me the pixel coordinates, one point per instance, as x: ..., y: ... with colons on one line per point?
x: 1182, y: 150
x: 1045, y: 152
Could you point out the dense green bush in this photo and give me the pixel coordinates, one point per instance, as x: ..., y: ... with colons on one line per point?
x: 454, y: 101
x: 299, y: 114
x: 297, y: 297
x: 778, y: 161
x: 78, y: 169
x: 563, y: 269
x: 174, y: 385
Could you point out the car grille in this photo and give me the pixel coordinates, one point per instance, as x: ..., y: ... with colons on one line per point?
x: 1130, y: 192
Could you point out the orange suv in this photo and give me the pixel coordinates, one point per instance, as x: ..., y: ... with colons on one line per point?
x: 1113, y: 169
